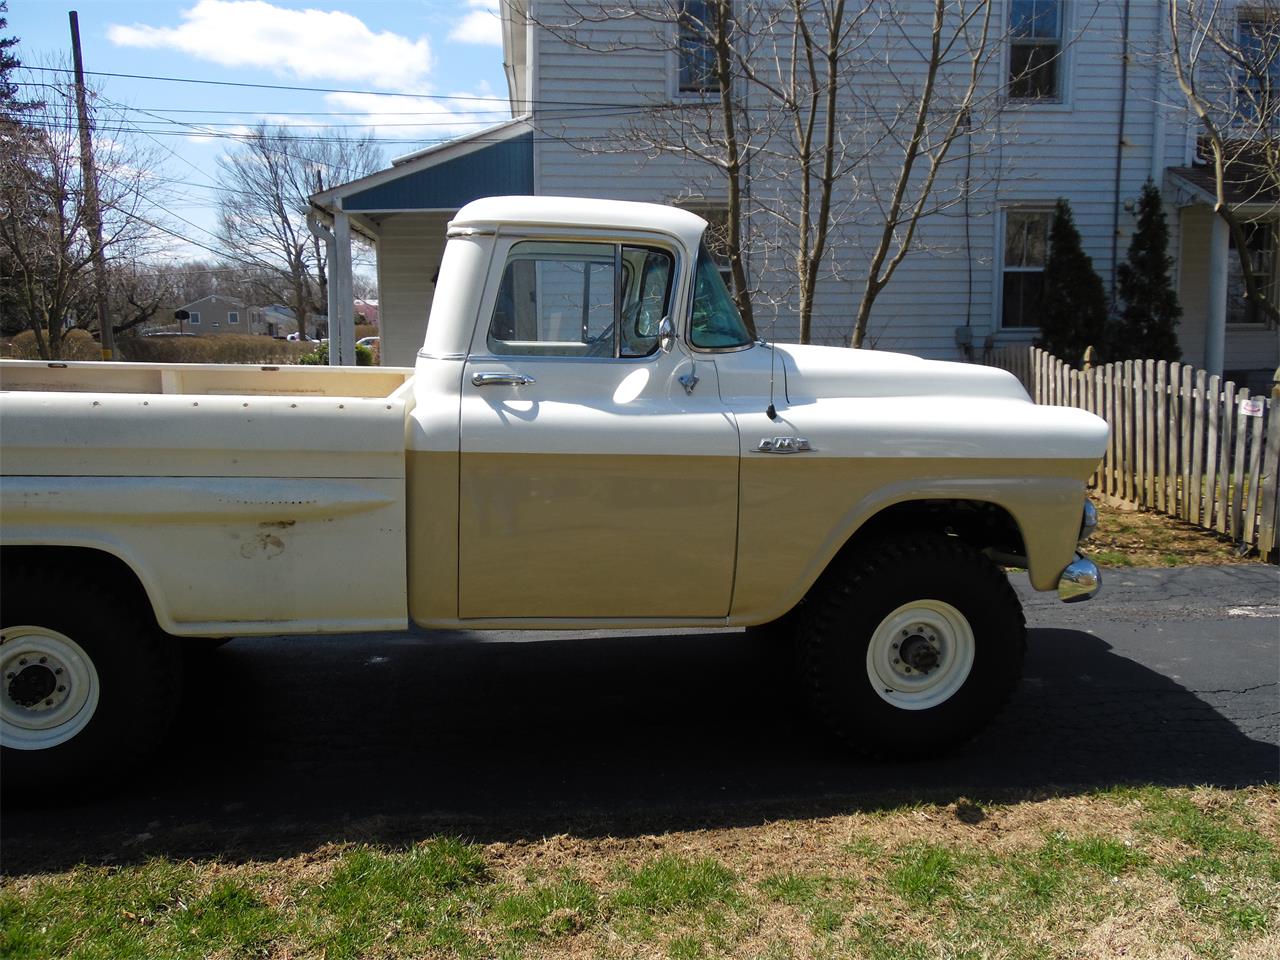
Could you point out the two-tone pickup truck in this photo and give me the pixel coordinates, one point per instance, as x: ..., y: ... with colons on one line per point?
x: 590, y: 438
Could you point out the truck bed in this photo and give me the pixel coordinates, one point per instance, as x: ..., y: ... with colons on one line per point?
x: 202, y: 379
x: 229, y: 490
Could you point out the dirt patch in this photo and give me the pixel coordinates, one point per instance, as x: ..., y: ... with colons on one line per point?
x: 1133, y: 538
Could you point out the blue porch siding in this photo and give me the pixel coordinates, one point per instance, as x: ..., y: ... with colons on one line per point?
x: 500, y: 169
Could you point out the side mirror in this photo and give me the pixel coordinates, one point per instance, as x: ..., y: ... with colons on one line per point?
x: 666, y: 334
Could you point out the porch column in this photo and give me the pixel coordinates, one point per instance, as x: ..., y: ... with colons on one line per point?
x: 1215, y: 326
x: 342, y: 330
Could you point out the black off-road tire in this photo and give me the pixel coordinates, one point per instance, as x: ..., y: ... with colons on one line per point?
x: 139, y: 682
x: 852, y: 601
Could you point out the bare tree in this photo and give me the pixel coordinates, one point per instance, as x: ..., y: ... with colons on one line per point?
x: 45, y: 250
x: 960, y: 31
x: 1227, y: 63
x: 267, y: 184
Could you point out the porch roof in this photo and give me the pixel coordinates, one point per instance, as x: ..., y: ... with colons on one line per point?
x: 495, y: 161
x: 1201, y: 184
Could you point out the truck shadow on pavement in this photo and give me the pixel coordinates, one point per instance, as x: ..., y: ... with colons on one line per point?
x: 288, y: 743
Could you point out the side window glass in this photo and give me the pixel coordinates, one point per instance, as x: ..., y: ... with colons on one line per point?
x: 716, y: 323
x: 580, y: 300
x: 646, y: 297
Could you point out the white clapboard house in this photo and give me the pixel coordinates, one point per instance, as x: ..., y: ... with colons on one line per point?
x: 1097, y: 117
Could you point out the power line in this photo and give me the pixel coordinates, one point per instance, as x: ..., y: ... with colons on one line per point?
x: 300, y: 89
x: 193, y: 131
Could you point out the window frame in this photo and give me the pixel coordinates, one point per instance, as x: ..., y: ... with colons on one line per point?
x: 675, y: 62
x: 233, y: 316
x: 1247, y: 14
x: 1259, y: 320
x: 482, y: 344
x: 1000, y: 267
x: 193, y: 317
x: 716, y: 215
x: 1063, y: 62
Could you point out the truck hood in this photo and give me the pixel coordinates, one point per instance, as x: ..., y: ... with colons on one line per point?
x: 814, y: 373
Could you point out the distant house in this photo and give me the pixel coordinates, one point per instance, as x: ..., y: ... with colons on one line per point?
x: 275, y: 320
x: 367, y: 310
x: 216, y: 315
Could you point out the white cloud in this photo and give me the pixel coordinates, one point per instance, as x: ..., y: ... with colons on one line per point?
x: 410, y: 117
x: 306, y: 44
x: 481, y: 25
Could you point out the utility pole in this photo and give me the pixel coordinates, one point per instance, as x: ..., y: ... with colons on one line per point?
x: 93, y: 211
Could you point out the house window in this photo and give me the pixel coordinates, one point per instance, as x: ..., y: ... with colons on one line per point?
x: 716, y: 239
x: 695, y: 51
x: 1260, y: 238
x: 1035, y: 49
x: 1258, y: 80
x: 195, y: 317
x: 233, y: 316
x: 1026, y: 245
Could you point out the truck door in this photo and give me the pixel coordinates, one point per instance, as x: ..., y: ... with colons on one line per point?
x: 593, y: 483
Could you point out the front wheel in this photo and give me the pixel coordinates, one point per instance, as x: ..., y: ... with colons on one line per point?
x: 912, y: 646
x: 88, y: 683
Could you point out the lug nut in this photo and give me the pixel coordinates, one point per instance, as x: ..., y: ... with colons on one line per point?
x: 48, y: 703
x: 22, y: 662
x: 44, y: 659
x: 896, y: 660
x: 58, y: 671
x: 62, y: 689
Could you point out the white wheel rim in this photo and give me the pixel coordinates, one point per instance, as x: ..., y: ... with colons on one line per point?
x: 48, y: 688
x: 920, y: 654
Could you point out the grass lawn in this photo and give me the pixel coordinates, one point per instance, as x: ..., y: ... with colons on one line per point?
x: 1141, y: 872
x: 1132, y: 539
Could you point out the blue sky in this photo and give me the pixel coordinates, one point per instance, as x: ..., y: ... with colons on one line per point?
x: 450, y: 52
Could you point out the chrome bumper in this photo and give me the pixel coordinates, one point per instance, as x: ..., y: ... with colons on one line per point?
x: 1080, y: 581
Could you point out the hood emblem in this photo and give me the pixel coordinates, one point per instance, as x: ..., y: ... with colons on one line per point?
x: 783, y: 445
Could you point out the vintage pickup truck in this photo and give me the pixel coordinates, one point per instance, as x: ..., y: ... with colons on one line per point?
x: 590, y: 438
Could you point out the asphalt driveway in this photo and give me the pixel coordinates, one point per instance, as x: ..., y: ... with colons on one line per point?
x: 1171, y: 677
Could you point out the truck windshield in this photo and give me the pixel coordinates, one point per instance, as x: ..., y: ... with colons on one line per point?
x: 716, y: 321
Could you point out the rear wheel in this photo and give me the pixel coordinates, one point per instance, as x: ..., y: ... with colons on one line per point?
x: 912, y: 646
x: 88, y: 683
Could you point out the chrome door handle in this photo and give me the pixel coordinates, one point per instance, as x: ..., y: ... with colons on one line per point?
x: 501, y: 380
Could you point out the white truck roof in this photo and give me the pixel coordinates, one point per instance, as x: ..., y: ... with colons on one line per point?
x: 581, y: 212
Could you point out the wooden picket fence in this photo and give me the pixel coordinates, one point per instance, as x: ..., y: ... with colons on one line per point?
x: 1182, y: 443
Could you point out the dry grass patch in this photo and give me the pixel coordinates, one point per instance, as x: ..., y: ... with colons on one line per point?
x: 1131, y: 538
x: 1135, y: 872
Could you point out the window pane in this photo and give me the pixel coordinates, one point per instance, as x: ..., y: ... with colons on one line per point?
x: 645, y: 299
x: 1258, y: 81
x: 1023, y: 293
x: 716, y: 321
x: 1033, y: 71
x: 1026, y: 238
x: 1034, y: 19
x: 1260, y: 237
x: 697, y: 56
x: 555, y: 299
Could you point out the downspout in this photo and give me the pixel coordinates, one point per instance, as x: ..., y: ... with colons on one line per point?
x: 1124, y: 100
x: 1158, y: 134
